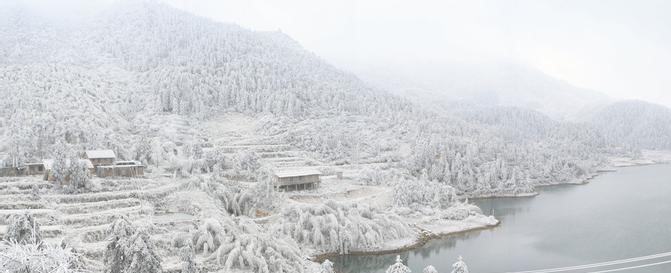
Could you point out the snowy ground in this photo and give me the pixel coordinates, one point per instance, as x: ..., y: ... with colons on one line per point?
x: 648, y: 157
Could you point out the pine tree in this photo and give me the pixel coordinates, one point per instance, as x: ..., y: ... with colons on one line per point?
x: 398, y: 267
x: 460, y: 266
x: 430, y: 269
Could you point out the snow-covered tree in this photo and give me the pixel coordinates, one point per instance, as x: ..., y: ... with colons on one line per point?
x: 188, y: 260
x: 242, y: 244
x: 460, y: 266
x: 338, y: 228
x: 78, y: 175
x: 326, y: 267
x: 398, y: 267
x: 23, y: 229
x: 37, y: 258
x: 60, y: 167
x: 430, y: 269
x: 130, y: 250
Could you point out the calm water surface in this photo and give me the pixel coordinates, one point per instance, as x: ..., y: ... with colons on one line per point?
x: 618, y: 215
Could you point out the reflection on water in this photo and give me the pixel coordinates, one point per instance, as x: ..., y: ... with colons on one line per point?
x: 618, y: 215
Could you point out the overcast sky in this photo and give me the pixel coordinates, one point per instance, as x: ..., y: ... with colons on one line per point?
x: 621, y: 48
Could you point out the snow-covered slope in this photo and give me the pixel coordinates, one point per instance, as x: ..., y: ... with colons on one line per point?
x: 107, y: 82
x: 636, y: 124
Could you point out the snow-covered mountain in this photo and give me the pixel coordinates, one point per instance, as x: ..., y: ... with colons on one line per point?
x: 636, y: 124
x: 489, y: 84
x: 210, y: 108
x: 107, y: 82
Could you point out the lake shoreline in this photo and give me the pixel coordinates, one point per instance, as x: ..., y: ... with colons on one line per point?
x: 426, y: 236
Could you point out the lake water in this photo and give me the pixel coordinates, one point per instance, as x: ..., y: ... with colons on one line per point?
x: 617, y: 215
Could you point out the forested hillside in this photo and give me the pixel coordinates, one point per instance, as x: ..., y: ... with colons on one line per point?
x: 635, y: 124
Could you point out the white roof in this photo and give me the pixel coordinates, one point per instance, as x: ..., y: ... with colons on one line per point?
x: 91, y: 154
x: 294, y: 173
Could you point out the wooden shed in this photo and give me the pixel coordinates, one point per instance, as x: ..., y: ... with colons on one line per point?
x: 101, y: 157
x: 35, y: 168
x: 134, y: 170
x: 304, y: 179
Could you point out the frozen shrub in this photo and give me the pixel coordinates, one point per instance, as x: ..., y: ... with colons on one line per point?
x: 37, y: 258
x: 23, y: 229
x: 421, y: 193
x: 237, y: 199
x: 339, y: 228
x: 188, y: 262
x: 243, y: 245
x: 130, y: 250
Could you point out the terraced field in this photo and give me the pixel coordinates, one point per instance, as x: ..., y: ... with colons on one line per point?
x: 82, y: 220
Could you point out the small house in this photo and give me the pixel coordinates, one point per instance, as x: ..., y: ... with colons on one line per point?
x: 35, y: 168
x: 288, y: 180
x: 101, y: 157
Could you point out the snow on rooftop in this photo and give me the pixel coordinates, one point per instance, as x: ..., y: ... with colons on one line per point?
x: 100, y: 154
x: 296, y: 172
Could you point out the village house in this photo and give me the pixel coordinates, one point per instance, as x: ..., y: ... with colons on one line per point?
x: 291, y: 180
x: 34, y: 168
x: 101, y: 157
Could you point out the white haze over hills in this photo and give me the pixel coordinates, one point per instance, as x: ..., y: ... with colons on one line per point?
x: 212, y: 109
x: 489, y: 84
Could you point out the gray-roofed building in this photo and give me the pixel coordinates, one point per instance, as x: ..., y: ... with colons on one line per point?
x: 297, y: 179
x: 101, y: 157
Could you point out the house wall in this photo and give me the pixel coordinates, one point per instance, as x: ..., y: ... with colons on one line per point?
x: 120, y: 171
x: 11, y: 171
x: 35, y: 169
x: 102, y: 161
x: 294, y: 180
